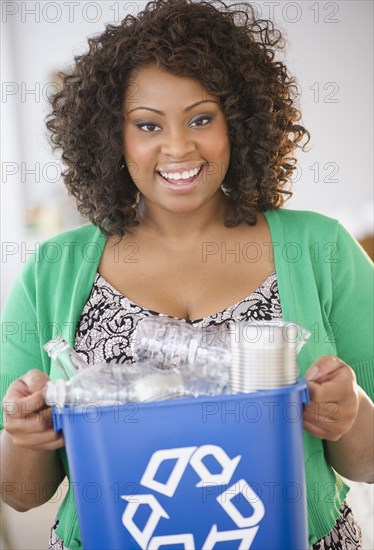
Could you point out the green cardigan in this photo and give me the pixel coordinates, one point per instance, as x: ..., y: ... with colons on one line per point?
x: 325, y: 282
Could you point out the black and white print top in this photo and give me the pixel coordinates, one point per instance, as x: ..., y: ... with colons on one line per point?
x: 104, y: 333
x: 109, y: 319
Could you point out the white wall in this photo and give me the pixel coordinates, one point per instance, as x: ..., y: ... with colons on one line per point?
x: 12, y: 193
x: 335, y: 59
x: 320, y: 51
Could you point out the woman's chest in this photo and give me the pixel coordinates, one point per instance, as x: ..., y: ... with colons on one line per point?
x: 189, y: 284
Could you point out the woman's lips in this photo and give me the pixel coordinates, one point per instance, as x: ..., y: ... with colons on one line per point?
x: 185, y: 186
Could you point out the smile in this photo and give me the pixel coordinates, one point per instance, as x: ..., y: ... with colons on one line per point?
x: 183, y: 184
x: 180, y: 178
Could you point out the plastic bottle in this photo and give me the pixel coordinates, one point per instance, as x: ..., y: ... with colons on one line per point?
x: 65, y: 357
x: 112, y: 383
x: 173, y: 343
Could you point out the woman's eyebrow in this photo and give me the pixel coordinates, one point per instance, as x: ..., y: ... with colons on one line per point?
x: 189, y: 108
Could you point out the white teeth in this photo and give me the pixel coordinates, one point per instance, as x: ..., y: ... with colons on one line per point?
x: 180, y: 176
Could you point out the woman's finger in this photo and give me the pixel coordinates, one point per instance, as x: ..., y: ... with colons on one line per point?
x: 25, y: 395
x: 324, y: 368
x: 31, y: 406
x: 38, y: 440
x: 321, y: 433
x: 35, y: 380
x: 38, y: 422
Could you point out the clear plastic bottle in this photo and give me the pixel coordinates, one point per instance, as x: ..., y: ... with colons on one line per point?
x: 65, y: 357
x: 170, y: 343
x: 112, y: 383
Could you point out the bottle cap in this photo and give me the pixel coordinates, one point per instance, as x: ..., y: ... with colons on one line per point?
x: 55, y: 393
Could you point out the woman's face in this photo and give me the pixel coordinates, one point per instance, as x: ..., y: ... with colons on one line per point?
x: 176, y: 143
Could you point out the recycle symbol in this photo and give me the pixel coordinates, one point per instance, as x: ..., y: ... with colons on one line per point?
x: 247, y: 526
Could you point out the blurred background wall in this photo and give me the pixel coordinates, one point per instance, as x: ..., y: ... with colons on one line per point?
x: 329, y: 50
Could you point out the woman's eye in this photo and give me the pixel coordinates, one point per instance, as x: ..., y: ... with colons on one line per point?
x: 150, y: 125
x: 203, y: 120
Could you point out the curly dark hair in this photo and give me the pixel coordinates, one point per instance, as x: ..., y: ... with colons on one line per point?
x: 231, y: 53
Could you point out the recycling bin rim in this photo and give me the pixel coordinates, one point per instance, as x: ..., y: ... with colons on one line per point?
x: 300, y: 386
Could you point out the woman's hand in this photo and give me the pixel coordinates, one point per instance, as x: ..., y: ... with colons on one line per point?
x: 28, y: 420
x: 334, y: 398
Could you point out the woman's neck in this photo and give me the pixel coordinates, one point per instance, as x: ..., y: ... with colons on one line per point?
x: 176, y: 228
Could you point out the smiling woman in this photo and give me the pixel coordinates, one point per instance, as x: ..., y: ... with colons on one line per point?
x: 178, y: 129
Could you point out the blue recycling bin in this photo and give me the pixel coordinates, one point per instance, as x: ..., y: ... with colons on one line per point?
x: 221, y: 472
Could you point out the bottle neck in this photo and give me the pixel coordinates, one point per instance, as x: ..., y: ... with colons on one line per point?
x: 65, y: 357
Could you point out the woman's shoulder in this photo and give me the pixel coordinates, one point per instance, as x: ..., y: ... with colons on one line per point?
x: 302, y: 223
x: 303, y: 217
x: 84, y: 240
x: 311, y: 230
x: 65, y: 252
x: 86, y: 233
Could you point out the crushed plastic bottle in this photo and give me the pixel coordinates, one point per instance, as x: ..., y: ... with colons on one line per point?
x: 166, y: 343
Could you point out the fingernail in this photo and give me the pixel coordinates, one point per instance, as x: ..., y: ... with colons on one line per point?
x: 312, y: 373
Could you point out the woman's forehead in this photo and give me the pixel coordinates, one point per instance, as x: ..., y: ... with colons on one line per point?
x: 152, y: 84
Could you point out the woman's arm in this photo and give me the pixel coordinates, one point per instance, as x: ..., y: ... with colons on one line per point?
x: 342, y: 415
x: 29, y: 478
x: 30, y: 468
x: 352, y: 455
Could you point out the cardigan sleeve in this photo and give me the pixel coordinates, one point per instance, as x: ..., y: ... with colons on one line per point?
x: 46, y: 300
x: 351, y: 314
x: 20, y: 327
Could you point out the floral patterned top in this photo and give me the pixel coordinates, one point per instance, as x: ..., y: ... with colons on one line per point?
x: 109, y: 319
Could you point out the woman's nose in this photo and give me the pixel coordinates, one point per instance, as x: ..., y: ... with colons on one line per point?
x: 177, y: 144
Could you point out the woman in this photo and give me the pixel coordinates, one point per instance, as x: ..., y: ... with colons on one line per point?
x: 177, y: 129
